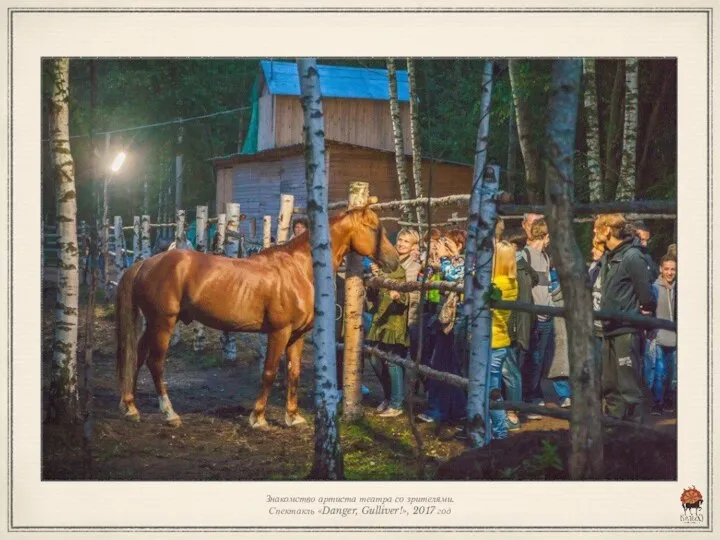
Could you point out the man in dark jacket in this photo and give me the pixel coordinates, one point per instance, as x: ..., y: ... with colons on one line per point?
x: 626, y: 287
x: 640, y: 238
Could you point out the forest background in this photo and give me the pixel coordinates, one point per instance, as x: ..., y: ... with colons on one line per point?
x: 113, y: 94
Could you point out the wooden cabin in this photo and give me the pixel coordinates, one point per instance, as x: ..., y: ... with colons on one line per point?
x: 358, y: 138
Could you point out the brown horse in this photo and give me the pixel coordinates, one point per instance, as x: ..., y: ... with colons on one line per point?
x: 271, y: 292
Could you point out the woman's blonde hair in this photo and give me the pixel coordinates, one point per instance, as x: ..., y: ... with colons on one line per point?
x: 411, y: 234
x: 504, y: 262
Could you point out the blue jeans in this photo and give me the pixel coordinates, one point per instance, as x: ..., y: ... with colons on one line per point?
x: 512, y: 378
x: 498, y: 418
x: 561, y: 385
x: 391, y: 376
x: 542, y: 349
x: 661, y: 376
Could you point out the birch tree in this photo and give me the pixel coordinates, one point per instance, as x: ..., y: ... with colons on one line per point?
x: 626, y: 185
x: 586, y: 459
x: 478, y: 257
x: 64, y: 396
x: 614, y: 130
x: 529, y: 150
x: 415, y: 139
x: 328, y: 459
x: 592, y: 134
x: 405, y: 193
x: 511, y: 170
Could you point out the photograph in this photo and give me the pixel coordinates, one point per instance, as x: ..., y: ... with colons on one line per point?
x: 268, y: 275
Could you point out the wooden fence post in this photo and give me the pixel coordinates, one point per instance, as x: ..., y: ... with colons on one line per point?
x: 180, y: 235
x: 119, y: 255
x: 201, y: 214
x: 286, y: 210
x: 229, y: 344
x: 267, y: 232
x: 353, y: 310
x: 146, y: 253
x: 219, y: 248
x: 137, y: 254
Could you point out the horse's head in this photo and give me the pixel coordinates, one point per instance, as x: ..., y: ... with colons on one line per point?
x: 368, y: 238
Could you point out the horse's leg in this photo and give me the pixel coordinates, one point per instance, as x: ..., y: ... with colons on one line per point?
x: 276, y: 343
x: 127, y: 402
x: 294, y: 357
x: 158, y: 342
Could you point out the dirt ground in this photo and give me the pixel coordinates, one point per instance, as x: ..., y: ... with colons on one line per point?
x: 214, y: 399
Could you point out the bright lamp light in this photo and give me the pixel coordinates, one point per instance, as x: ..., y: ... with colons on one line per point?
x: 118, y: 161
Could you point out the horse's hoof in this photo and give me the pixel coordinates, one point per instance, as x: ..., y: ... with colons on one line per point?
x: 256, y: 423
x: 174, y: 421
x: 295, y: 420
x: 132, y: 417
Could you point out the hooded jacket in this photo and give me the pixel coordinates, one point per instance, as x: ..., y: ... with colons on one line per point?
x: 626, y: 286
x: 665, y: 310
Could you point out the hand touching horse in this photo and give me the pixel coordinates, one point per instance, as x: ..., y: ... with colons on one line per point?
x: 271, y: 292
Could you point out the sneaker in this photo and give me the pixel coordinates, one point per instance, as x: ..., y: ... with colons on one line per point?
x: 668, y: 408
x: 364, y: 390
x: 656, y: 410
x: 390, y: 413
x: 425, y: 418
x: 566, y: 403
x: 384, y: 404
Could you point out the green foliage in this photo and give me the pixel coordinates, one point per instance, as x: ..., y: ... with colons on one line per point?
x: 544, y: 465
x: 135, y: 92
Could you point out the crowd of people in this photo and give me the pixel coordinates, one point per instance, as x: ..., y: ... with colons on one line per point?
x: 529, y: 355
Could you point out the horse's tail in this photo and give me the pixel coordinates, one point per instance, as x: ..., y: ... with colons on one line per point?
x: 127, y: 323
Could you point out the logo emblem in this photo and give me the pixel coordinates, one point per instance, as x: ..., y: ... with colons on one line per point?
x: 690, y: 499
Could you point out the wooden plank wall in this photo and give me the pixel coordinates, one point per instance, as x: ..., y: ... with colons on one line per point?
x: 266, y: 134
x: 363, y: 122
x: 378, y: 168
x: 257, y: 187
x: 223, y: 192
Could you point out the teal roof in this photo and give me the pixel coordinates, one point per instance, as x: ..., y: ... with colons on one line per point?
x: 335, y: 81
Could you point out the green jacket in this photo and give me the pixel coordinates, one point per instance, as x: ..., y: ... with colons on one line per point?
x: 390, y: 323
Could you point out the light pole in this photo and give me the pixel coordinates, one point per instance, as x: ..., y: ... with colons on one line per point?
x: 114, y: 168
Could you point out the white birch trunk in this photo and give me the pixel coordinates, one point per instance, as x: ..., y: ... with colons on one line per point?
x: 64, y: 396
x: 478, y: 269
x: 284, y: 218
x: 220, y: 234
x: 353, y: 324
x: 267, y: 232
x: 481, y: 145
x: 180, y: 234
x: 415, y: 140
x: 398, y: 140
x: 593, y: 132
x: 328, y: 459
x: 137, y: 236
x: 119, y: 251
x: 201, y: 216
x: 146, y: 252
x: 586, y: 433
x: 626, y: 185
